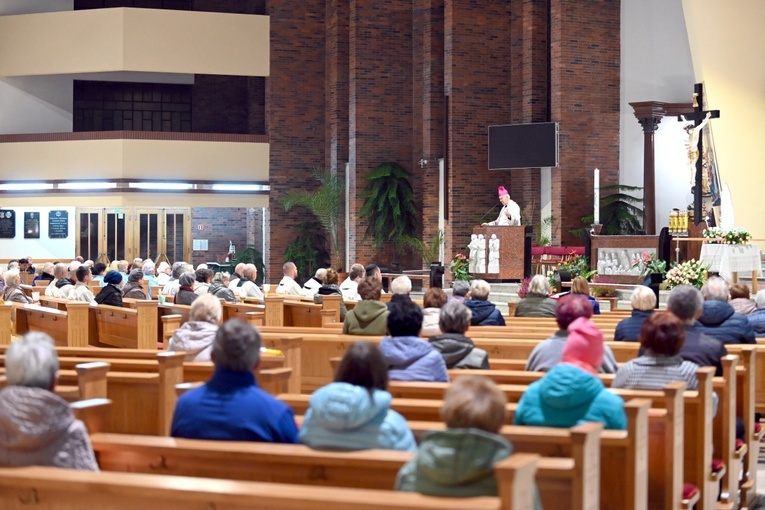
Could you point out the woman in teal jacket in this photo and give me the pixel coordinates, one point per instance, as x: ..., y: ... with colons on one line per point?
x: 571, y: 392
x: 353, y: 413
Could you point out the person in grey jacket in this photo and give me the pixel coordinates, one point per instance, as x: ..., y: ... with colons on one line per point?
x: 37, y: 427
x: 549, y: 353
x: 537, y: 303
x: 458, y: 350
x: 219, y: 288
x: 196, y: 336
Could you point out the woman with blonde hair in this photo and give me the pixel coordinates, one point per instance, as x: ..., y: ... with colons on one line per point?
x: 579, y: 285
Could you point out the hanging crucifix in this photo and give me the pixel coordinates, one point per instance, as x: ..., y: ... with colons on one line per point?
x: 700, y: 118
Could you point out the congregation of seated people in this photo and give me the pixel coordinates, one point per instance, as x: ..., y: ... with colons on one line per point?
x: 416, y: 343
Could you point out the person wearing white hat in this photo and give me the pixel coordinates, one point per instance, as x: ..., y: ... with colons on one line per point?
x: 510, y: 214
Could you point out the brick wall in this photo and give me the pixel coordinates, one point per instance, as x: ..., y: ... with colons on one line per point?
x: 585, y: 84
x: 295, y: 111
x: 428, y: 107
x: 477, y: 81
x: 364, y: 81
x: 239, y: 225
x: 380, y: 98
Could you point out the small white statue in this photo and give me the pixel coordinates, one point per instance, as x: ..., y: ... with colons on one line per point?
x: 493, y: 254
x: 473, y: 247
x: 480, y: 260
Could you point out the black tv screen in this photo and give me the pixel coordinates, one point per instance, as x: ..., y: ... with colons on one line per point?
x: 523, y: 146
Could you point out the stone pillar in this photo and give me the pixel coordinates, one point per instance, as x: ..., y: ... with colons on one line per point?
x: 649, y: 125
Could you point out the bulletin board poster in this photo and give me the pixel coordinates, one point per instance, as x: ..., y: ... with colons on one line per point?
x: 31, y: 225
x: 7, y: 224
x: 58, y: 224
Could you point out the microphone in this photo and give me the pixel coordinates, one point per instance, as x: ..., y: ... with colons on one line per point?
x: 489, y: 211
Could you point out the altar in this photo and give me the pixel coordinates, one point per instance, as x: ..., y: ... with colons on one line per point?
x: 731, y: 259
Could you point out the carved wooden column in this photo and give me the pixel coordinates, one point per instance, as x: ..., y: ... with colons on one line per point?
x: 649, y: 114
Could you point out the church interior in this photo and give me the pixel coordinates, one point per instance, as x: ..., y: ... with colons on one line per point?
x: 200, y: 130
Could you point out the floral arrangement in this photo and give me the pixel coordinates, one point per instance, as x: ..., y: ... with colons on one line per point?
x: 690, y: 272
x: 650, y: 263
x: 716, y: 235
x: 552, y: 281
x: 523, y: 291
x: 459, y: 266
x: 579, y: 266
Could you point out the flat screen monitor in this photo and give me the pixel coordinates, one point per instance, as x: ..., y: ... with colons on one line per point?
x: 523, y: 146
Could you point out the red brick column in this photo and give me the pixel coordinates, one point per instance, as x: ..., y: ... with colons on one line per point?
x: 585, y: 82
x: 380, y: 98
x: 477, y: 81
x: 428, y: 105
x: 295, y: 111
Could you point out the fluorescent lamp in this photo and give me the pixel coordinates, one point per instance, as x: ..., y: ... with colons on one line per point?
x: 240, y: 187
x: 165, y: 186
x: 87, y: 185
x: 25, y: 186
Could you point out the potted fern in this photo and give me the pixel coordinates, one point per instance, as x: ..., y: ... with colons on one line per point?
x: 326, y: 203
x: 388, y: 209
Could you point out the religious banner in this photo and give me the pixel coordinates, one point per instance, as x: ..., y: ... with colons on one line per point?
x: 31, y: 225
x: 7, y: 224
x: 58, y: 224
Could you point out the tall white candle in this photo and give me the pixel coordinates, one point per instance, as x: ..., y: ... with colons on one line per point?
x: 596, y: 197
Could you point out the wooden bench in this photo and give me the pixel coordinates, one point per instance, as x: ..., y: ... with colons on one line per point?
x: 142, y: 402
x: 63, y: 489
x: 281, y: 311
x: 119, y: 327
x: 368, y: 469
x: 67, y: 328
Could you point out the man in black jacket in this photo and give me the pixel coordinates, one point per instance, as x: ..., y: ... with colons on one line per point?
x: 686, y: 303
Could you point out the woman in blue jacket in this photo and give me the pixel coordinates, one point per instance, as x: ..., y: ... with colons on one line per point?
x: 571, y: 393
x: 353, y: 413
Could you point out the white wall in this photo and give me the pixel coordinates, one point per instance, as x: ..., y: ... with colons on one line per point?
x: 728, y: 47
x: 44, y: 247
x: 656, y: 66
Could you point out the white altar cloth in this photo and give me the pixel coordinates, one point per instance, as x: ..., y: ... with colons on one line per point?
x: 727, y: 259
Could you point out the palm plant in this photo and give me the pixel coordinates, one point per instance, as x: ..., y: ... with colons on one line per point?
x: 430, y: 252
x: 326, y: 203
x: 620, y: 212
x: 389, y: 208
x: 309, y: 249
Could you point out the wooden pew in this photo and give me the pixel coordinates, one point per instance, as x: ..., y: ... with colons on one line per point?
x: 82, y: 381
x: 67, y: 328
x: 745, y: 405
x: 127, y: 328
x: 253, y: 315
x: 561, y: 481
x: 6, y: 323
x: 63, y: 489
x: 273, y: 373
x: 142, y: 402
x: 281, y: 311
